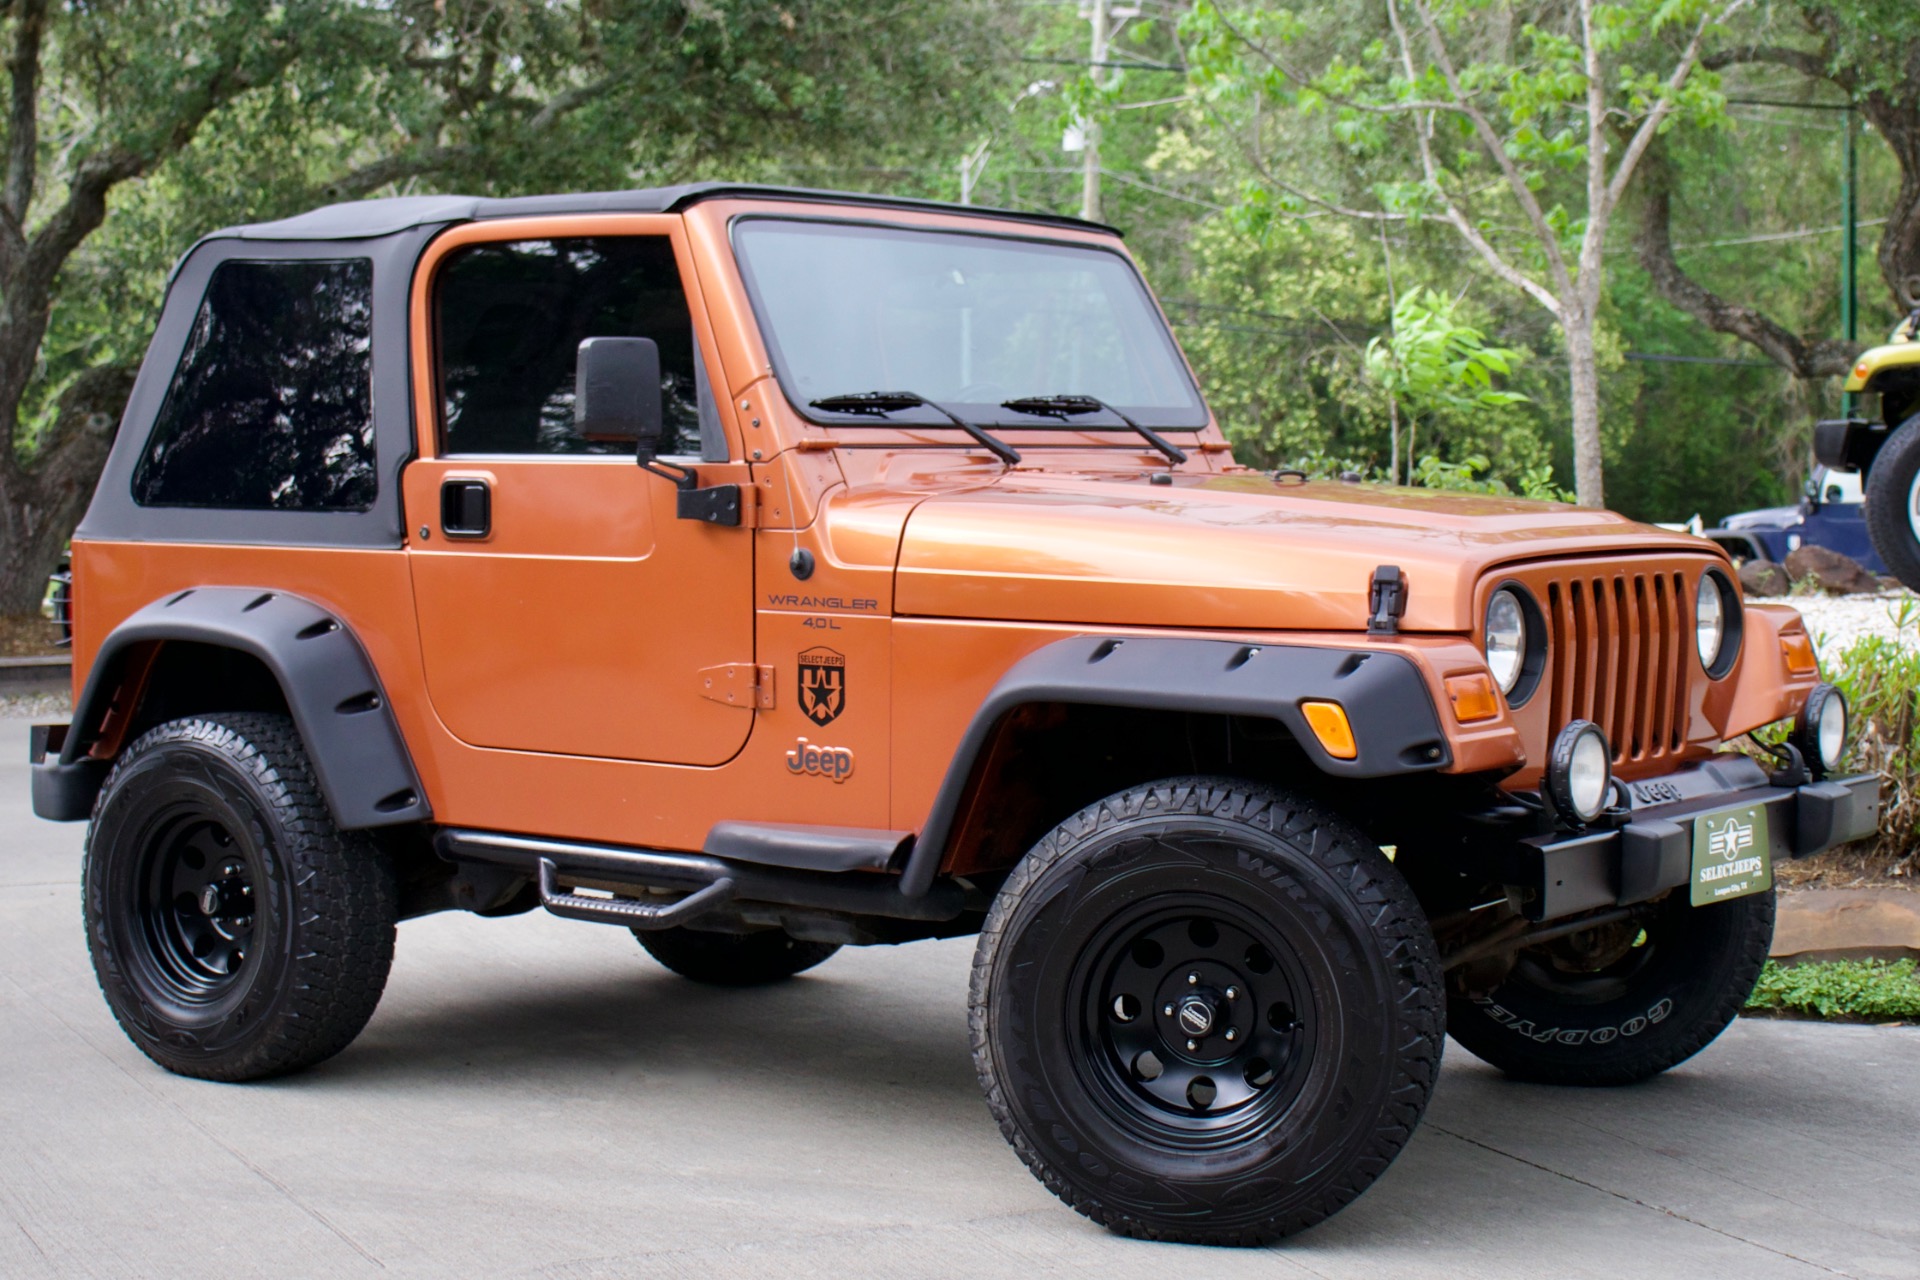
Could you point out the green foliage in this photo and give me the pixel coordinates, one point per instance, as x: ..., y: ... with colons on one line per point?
x: 1880, y: 677
x: 1868, y: 990
x: 1474, y: 474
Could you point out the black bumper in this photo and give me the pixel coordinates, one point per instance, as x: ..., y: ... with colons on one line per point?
x: 1647, y: 849
x: 61, y: 792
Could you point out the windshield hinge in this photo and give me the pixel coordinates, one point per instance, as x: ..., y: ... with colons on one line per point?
x: 738, y: 684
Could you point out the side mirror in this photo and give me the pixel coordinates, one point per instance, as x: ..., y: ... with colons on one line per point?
x: 616, y: 393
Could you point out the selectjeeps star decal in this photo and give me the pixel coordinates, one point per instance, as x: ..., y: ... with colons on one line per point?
x: 823, y: 685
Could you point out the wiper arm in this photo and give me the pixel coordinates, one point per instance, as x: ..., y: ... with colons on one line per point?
x: 1068, y: 406
x: 884, y: 402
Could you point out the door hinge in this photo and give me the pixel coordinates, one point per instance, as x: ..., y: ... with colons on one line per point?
x: 738, y: 684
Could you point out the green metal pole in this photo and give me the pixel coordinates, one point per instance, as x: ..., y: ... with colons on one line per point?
x: 1849, y: 253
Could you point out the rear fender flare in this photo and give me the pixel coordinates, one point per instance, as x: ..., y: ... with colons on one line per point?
x: 1395, y: 724
x: 359, y: 756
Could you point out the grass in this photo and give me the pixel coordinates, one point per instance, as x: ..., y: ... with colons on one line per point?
x: 1843, y: 990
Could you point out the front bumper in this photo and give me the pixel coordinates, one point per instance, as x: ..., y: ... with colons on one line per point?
x: 1646, y: 848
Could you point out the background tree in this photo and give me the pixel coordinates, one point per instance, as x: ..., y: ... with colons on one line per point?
x: 1431, y: 360
x: 134, y: 126
x: 1494, y: 110
x: 1870, y: 51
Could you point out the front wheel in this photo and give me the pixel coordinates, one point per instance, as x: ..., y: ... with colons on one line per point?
x: 1204, y: 1011
x: 1622, y: 1002
x: 1893, y: 502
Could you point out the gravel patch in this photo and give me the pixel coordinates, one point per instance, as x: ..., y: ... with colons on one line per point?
x: 35, y: 706
x: 1836, y: 622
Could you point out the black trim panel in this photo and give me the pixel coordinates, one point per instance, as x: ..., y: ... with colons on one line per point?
x: 1395, y: 724
x: 776, y: 844
x: 338, y: 704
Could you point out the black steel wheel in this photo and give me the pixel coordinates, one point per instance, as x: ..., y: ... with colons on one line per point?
x: 733, y: 959
x: 1204, y: 1011
x: 1893, y: 502
x: 1621, y: 1002
x: 235, y: 931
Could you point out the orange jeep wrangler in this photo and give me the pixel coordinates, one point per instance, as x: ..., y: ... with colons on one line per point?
x: 936, y: 605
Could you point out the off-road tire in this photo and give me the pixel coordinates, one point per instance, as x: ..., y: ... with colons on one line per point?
x: 1327, y: 913
x: 733, y: 959
x: 1889, y: 490
x: 320, y: 904
x: 1630, y: 1023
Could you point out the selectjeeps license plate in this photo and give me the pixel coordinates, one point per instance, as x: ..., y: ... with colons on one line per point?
x: 1731, y: 855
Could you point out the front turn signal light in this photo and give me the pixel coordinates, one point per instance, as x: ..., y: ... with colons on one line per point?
x: 1797, y: 648
x: 1472, y: 697
x: 1328, y: 720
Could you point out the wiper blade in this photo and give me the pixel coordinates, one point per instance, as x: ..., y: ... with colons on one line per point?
x: 1070, y: 406
x: 882, y: 403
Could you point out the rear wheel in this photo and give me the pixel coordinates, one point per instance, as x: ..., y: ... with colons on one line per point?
x: 1203, y: 1011
x: 1622, y: 1002
x: 235, y: 931
x: 1893, y: 502
x: 733, y: 959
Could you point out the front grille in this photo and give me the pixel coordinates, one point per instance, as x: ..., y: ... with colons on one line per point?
x: 1620, y: 654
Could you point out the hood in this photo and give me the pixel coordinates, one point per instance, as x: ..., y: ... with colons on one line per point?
x: 1235, y: 552
x: 1765, y: 518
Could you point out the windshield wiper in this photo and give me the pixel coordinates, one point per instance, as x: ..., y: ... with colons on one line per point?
x: 885, y: 402
x: 1068, y: 406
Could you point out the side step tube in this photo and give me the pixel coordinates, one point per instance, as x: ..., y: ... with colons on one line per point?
x: 625, y: 911
x: 851, y: 893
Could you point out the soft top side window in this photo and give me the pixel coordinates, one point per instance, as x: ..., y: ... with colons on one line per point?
x: 271, y: 405
x: 509, y: 320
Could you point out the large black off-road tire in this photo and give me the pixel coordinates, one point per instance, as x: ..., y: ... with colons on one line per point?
x: 1204, y: 1011
x: 1893, y: 502
x: 733, y: 959
x: 1624, y: 1002
x: 235, y: 931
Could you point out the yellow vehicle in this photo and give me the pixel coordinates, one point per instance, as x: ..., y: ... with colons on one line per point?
x: 1885, y: 448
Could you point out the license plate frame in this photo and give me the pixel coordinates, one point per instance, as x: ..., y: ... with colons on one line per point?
x: 1732, y: 854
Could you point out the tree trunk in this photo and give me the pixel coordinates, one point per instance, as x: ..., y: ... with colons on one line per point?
x: 41, y: 501
x: 1583, y: 364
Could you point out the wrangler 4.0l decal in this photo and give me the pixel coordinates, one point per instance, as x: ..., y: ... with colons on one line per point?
x: 824, y: 762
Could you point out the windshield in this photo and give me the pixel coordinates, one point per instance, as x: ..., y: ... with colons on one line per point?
x: 966, y: 320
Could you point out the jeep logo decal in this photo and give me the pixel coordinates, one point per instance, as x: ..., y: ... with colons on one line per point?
x: 823, y: 685
x: 825, y: 762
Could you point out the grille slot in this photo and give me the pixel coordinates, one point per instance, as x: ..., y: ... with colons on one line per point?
x: 1618, y: 658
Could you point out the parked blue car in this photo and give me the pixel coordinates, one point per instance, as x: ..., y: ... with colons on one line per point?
x: 1830, y: 515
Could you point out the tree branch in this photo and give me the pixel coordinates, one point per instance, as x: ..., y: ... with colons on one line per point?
x: 23, y: 120
x: 1804, y: 359
x: 1650, y: 127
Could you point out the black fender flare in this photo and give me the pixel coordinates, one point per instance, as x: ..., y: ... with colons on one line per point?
x: 359, y: 757
x: 1395, y: 724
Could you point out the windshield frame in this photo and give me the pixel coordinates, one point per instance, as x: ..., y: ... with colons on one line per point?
x: 1000, y: 419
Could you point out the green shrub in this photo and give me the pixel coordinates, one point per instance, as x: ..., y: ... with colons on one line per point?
x: 1881, y: 679
x: 1869, y: 989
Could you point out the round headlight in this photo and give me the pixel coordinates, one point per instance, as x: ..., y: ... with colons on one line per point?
x: 1709, y: 621
x: 1580, y: 771
x: 1820, y: 730
x: 1506, y: 639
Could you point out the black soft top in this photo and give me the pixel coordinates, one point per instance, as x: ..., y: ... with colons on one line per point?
x: 370, y: 219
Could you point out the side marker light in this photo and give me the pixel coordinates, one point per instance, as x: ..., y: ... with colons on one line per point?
x: 1328, y: 720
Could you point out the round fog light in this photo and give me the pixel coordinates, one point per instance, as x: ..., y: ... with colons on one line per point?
x: 1580, y: 771
x: 1820, y: 730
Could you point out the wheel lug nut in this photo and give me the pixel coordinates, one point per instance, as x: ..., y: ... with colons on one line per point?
x: 1232, y: 1034
x: 1193, y: 979
x: 1233, y: 993
x: 1191, y: 1046
x: 1167, y: 1009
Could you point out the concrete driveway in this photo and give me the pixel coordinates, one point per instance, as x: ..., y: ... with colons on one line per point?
x: 537, y: 1097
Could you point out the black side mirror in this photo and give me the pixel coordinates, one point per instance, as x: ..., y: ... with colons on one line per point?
x: 616, y: 393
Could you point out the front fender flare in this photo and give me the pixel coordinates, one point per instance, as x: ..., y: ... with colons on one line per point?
x: 1386, y: 699
x: 359, y: 757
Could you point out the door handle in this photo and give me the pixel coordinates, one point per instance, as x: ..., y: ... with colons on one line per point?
x: 466, y: 509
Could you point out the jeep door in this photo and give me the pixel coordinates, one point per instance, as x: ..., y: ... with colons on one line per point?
x: 563, y: 607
